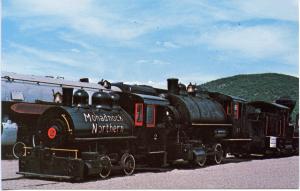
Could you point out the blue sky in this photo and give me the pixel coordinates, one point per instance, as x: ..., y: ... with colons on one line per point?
x: 147, y: 41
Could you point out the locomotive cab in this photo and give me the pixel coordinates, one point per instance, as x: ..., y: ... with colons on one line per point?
x: 148, y: 113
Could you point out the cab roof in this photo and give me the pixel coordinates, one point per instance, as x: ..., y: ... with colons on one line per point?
x: 150, y: 99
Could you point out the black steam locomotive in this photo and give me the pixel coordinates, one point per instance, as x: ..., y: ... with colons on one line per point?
x: 94, y: 137
x: 83, y: 129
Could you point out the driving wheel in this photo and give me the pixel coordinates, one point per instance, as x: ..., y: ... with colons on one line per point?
x: 105, y: 164
x: 218, y: 157
x: 18, y: 149
x: 128, y: 163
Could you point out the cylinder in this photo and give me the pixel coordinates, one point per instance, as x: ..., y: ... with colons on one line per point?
x: 173, y: 86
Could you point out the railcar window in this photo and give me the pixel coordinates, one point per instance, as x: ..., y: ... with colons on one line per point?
x: 138, y: 118
x: 150, y: 116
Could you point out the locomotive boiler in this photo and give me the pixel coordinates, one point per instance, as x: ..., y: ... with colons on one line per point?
x: 203, y: 121
x: 62, y: 126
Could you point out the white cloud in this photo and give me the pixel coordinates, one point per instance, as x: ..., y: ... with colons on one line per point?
x: 166, y: 44
x: 76, y: 40
x: 88, y: 63
x: 30, y: 8
x: 271, y: 9
x: 43, y: 55
x: 93, y: 27
x: 97, y: 19
x: 25, y: 64
x: 75, y: 50
x: 153, y: 62
x: 160, y: 62
x: 198, y: 78
x: 101, y: 20
x: 84, y: 16
x: 237, y: 10
x: 156, y: 84
x: 142, y: 61
x: 256, y: 41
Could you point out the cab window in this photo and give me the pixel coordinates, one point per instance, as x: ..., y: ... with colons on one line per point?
x: 150, y: 116
x: 138, y: 116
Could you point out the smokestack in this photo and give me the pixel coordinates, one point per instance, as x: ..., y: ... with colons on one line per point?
x: 173, y: 86
x: 67, y: 96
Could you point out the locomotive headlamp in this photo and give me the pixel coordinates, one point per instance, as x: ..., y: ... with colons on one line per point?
x: 52, y: 132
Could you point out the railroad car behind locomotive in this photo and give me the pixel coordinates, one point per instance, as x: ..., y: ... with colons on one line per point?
x: 270, y: 126
x: 259, y: 127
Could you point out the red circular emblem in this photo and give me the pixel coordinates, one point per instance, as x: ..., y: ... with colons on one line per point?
x: 51, y: 133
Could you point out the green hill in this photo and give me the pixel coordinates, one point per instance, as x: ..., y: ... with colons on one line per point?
x: 266, y: 87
